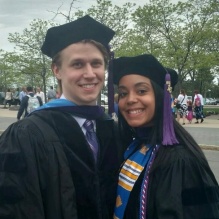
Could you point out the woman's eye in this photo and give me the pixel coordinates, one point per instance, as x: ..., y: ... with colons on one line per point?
x: 142, y: 91
x: 122, y: 94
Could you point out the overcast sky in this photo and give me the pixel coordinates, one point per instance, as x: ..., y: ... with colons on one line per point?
x: 16, y: 15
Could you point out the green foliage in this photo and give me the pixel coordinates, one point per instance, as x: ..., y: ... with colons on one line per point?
x: 28, y: 60
x: 113, y: 16
x: 183, y: 36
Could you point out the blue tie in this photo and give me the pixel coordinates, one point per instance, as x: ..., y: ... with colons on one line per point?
x: 91, y: 137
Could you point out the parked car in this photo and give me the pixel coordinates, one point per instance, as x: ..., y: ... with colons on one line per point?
x: 210, y: 101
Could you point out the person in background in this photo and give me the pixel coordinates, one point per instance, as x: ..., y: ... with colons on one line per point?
x: 173, y: 108
x: 51, y: 95
x: 198, y: 105
x: 23, y: 93
x: 165, y: 173
x: 116, y: 100
x: 40, y: 94
x: 8, y: 98
x: 182, y: 111
x: 16, y: 97
x: 23, y: 109
x: 60, y: 162
x: 172, y: 100
x: 189, y: 115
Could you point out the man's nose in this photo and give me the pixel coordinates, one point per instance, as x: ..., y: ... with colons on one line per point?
x: 88, y: 71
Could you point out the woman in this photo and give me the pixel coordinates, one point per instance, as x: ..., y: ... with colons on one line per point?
x: 8, y: 98
x: 198, y: 106
x: 165, y: 174
x: 182, y: 111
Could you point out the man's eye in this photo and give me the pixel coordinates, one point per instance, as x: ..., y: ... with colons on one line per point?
x: 77, y: 64
x: 96, y: 64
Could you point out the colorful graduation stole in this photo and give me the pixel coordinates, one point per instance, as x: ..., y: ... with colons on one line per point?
x: 129, y: 174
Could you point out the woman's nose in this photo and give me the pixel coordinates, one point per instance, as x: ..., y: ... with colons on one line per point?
x: 131, y: 98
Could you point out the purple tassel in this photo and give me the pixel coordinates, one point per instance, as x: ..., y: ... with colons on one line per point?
x: 110, y: 86
x: 169, y: 137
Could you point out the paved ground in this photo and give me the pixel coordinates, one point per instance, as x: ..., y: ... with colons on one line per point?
x: 213, y: 160
x: 206, y: 134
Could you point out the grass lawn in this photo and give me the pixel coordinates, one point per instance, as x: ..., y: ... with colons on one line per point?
x: 212, y: 110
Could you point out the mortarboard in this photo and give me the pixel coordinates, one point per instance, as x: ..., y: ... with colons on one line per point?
x: 59, y: 37
x: 146, y: 65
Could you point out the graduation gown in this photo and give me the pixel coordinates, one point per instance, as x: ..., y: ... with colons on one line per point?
x: 47, y: 169
x: 180, y: 188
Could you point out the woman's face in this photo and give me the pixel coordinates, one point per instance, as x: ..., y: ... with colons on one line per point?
x: 136, y: 100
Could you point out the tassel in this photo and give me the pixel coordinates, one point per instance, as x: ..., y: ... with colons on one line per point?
x: 110, y: 86
x: 169, y: 137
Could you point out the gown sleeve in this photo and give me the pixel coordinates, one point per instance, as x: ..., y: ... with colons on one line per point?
x: 183, y: 188
x: 34, y: 175
x: 17, y: 167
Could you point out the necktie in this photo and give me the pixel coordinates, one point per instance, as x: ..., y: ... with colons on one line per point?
x: 91, y: 136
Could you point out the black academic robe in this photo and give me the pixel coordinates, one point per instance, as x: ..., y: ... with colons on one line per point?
x: 180, y: 188
x: 47, y: 171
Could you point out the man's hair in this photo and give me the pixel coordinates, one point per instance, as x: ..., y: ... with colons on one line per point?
x: 51, y: 87
x: 29, y: 88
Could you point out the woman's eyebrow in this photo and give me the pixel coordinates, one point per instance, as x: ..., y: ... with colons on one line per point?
x: 136, y: 85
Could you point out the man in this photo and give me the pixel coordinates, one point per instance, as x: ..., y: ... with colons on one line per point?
x: 25, y: 107
x: 51, y: 95
x: 198, y: 105
x: 55, y: 166
x: 16, y: 97
x: 40, y: 94
x: 23, y: 93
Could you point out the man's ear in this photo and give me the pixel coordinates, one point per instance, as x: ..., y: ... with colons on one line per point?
x: 56, y: 71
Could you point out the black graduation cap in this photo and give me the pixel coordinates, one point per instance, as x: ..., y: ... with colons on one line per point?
x: 59, y: 37
x: 146, y: 65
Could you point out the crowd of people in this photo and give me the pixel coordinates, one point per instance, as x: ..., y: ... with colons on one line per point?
x: 20, y: 97
x: 68, y: 159
x: 188, y: 109
x: 15, y: 96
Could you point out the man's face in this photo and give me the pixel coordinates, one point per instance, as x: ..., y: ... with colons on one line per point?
x: 82, y: 73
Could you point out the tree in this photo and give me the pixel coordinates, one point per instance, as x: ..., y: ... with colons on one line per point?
x: 7, y: 71
x: 174, y: 32
x: 30, y: 60
x: 113, y: 16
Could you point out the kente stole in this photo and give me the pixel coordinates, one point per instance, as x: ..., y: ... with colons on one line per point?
x: 129, y: 174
